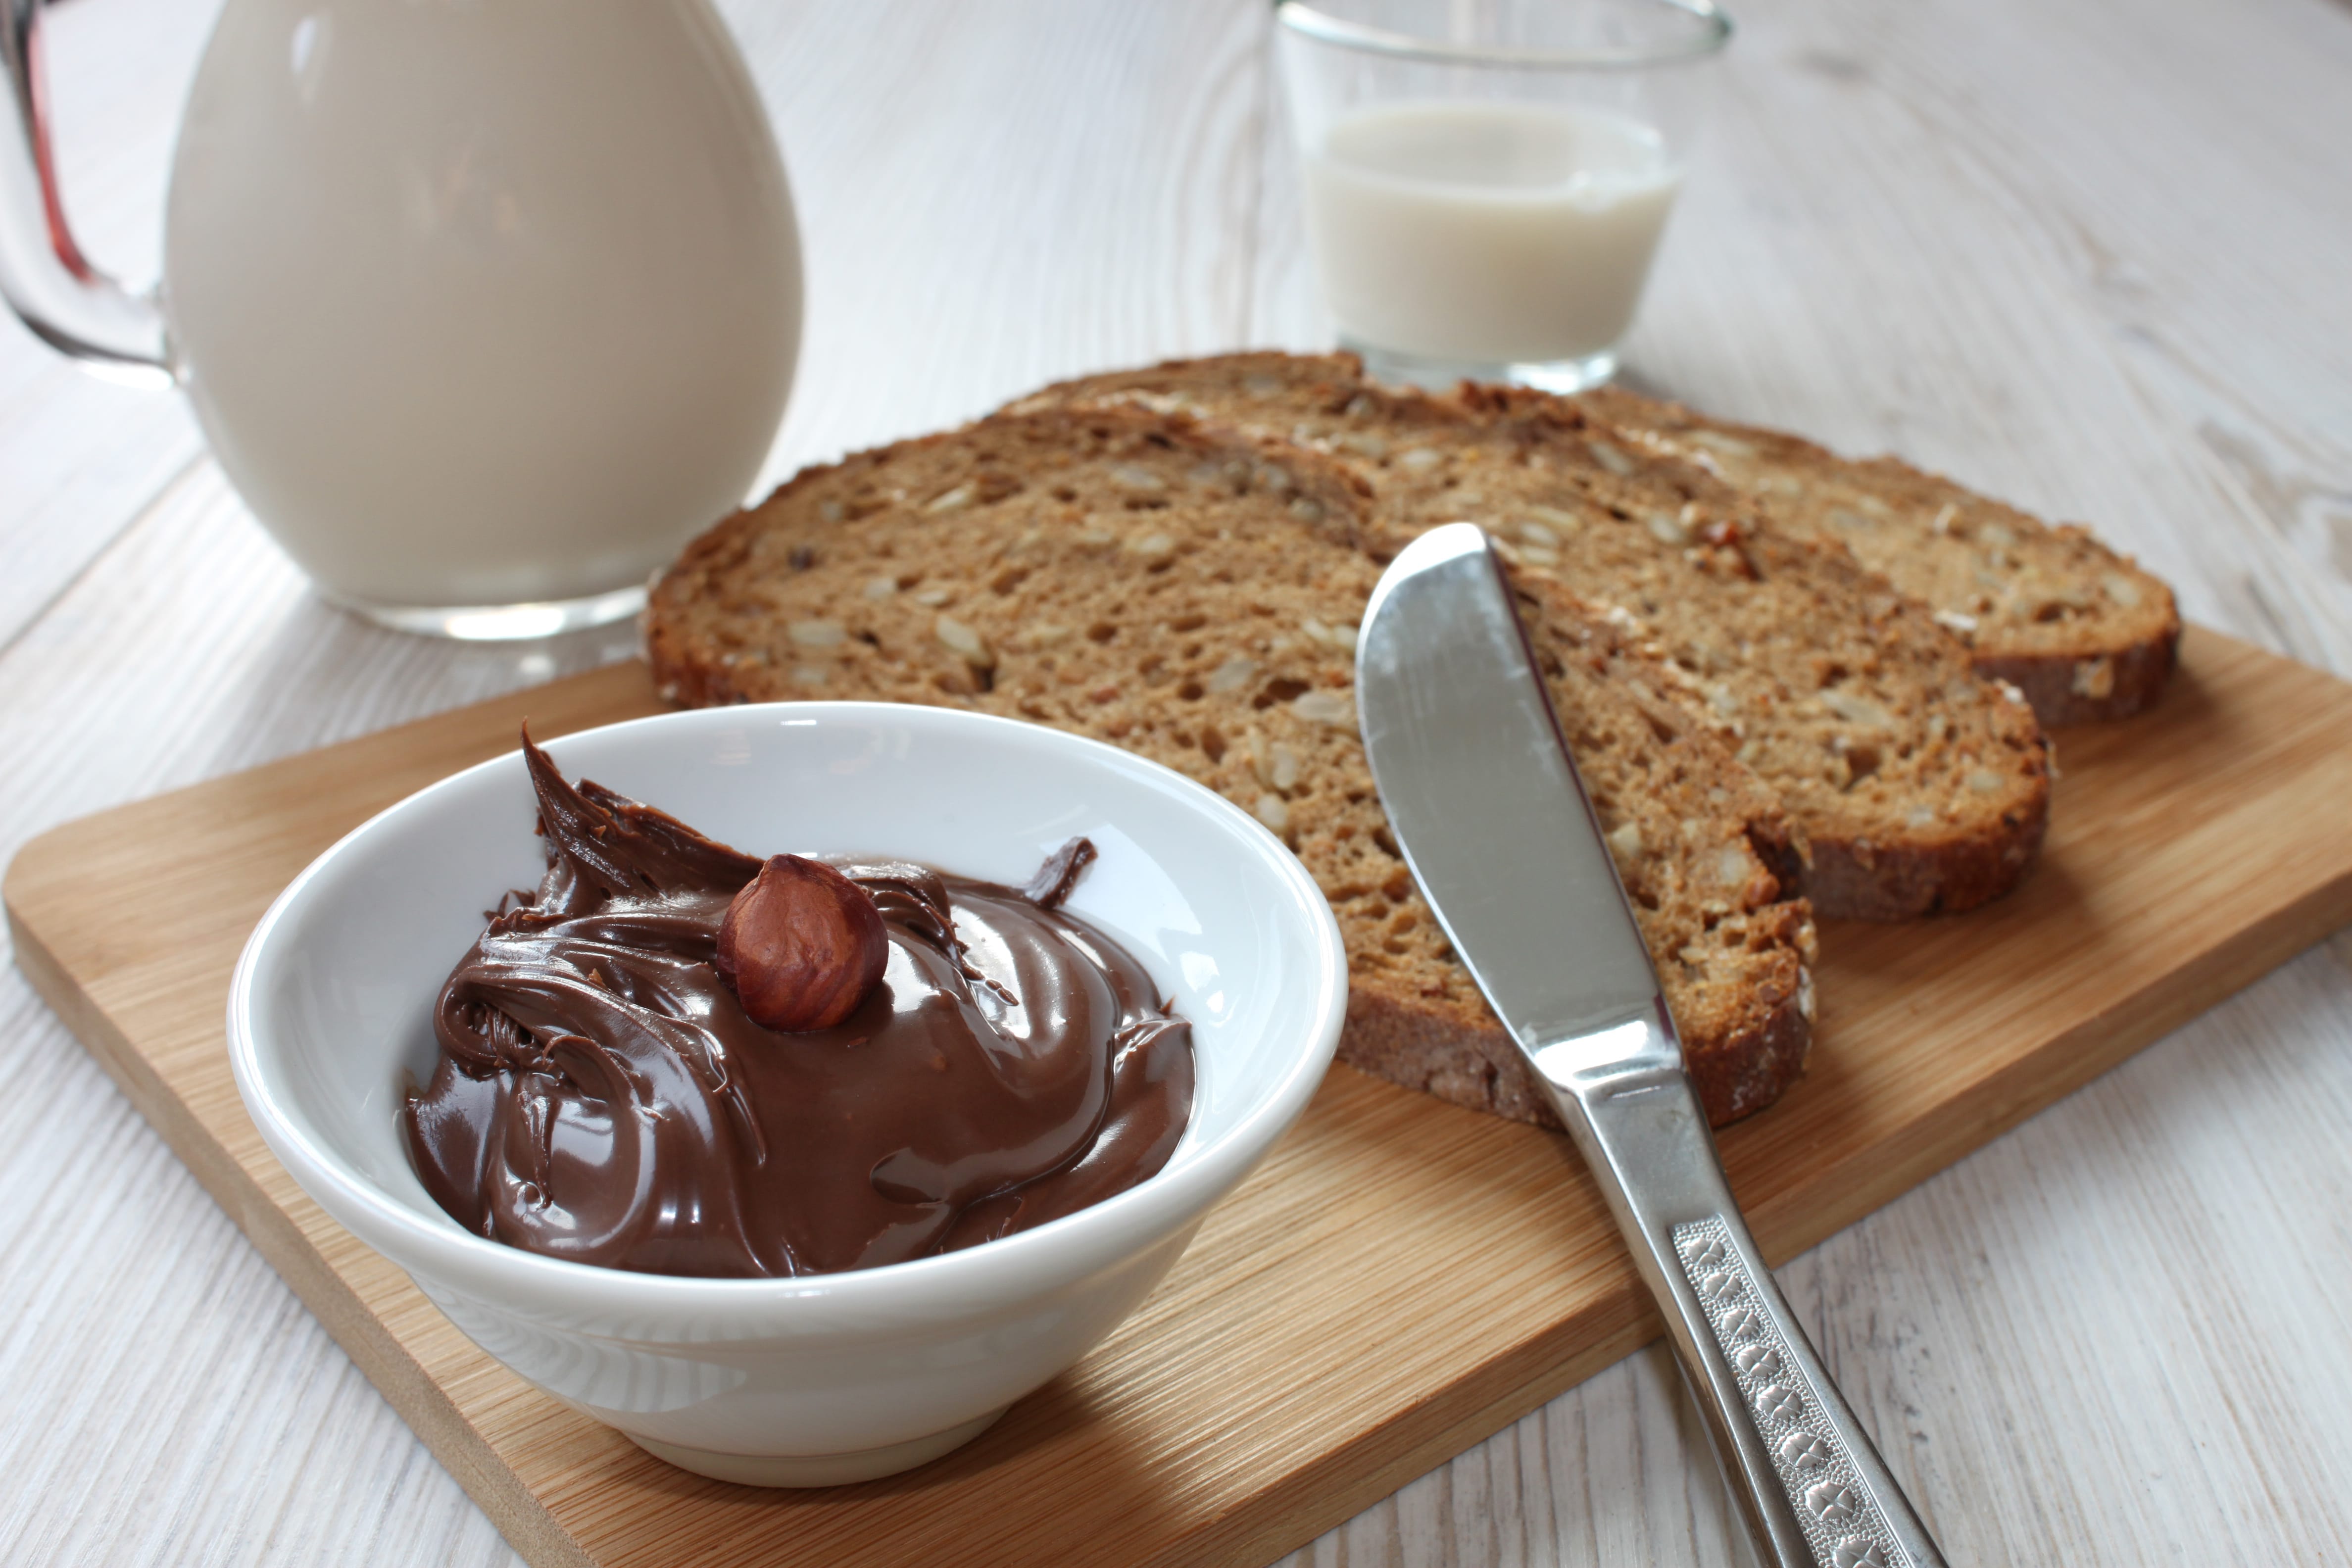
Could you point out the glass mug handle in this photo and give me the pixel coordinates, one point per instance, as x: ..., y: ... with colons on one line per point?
x: 67, y: 303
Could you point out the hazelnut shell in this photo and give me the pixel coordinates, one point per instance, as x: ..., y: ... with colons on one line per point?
x: 801, y: 946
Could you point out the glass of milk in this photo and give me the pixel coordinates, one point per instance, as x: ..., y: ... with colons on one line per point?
x: 1487, y: 181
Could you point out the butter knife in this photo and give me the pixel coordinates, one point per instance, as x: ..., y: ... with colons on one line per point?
x: 1485, y: 803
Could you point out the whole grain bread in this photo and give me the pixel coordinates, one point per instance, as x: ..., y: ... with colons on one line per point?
x: 2078, y: 627
x: 1920, y: 786
x: 1192, y: 597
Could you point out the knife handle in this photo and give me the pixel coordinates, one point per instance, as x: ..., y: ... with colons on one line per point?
x: 1814, y: 1492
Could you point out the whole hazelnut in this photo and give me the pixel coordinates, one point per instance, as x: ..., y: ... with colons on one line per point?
x: 801, y: 946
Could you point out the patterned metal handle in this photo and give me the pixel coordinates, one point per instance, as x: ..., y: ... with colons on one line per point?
x: 1819, y: 1473
x: 1814, y: 1492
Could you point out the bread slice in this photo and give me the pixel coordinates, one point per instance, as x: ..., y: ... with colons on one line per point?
x: 2079, y: 628
x: 1920, y: 786
x: 1193, y: 597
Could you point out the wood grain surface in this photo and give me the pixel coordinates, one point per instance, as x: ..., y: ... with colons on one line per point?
x: 1399, y: 1280
x: 2089, y: 258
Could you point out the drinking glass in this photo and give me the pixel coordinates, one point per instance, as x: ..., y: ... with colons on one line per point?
x: 1487, y: 181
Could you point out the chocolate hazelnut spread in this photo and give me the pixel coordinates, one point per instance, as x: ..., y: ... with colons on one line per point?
x: 602, y: 1094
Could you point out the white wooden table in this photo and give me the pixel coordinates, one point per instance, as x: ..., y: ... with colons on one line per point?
x: 2096, y: 257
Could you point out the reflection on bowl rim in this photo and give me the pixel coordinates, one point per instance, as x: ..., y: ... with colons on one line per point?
x: 1713, y: 32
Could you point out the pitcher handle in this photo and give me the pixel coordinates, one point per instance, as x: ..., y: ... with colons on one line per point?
x: 67, y: 302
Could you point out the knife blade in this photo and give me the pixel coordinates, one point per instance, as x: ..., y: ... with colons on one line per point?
x: 1483, y: 799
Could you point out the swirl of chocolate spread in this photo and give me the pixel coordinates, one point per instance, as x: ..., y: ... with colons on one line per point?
x: 602, y: 1096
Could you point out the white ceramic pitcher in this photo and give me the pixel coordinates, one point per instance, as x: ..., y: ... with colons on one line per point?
x: 485, y: 306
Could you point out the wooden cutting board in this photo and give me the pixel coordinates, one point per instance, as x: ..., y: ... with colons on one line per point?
x: 1399, y: 1280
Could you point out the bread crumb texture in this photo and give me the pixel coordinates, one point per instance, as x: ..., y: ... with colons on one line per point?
x: 1920, y: 784
x: 2077, y: 626
x: 1191, y: 594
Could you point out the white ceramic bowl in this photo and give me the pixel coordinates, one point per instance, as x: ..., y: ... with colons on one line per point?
x: 832, y: 1377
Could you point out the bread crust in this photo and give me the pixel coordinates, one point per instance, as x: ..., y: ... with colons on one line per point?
x: 1470, y: 1061
x: 1860, y: 881
x: 2059, y: 686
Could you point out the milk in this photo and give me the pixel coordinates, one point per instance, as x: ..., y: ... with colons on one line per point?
x: 481, y: 303
x: 1487, y: 232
